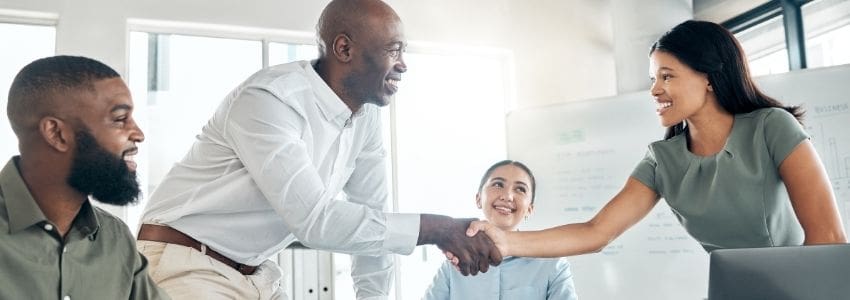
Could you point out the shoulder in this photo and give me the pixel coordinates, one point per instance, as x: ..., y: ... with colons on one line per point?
x: 671, y: 145
x: 289, y: 84
x: 282, y: 80
x: 371, y: 114
x: 111, y: 226
x: 767, y: 115
x: 773, y: 123
x: 554, y: 264
x: 560, y: 263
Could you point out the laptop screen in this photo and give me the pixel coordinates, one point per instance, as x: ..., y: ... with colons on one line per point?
x: 780, y: 273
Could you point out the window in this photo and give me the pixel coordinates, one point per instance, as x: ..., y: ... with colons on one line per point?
x: 22, y: 44
x: 449, y: 127
x: 827, y: 26
x: 177, y: 82
x: 762, y: 33
x: 280, y: 53
x: 764, y: 46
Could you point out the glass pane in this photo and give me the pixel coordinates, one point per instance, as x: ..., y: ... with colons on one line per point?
x: 450, y: 126
x: 22, y: 44
x: 764, y: 45
x: 827, y: 26
x: 177, y: 82
x: 280, y: 53
x: 719, y: 11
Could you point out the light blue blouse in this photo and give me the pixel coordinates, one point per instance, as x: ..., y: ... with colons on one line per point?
x: 516, y: 278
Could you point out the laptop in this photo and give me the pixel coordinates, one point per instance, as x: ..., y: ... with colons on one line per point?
x: 780, y: 273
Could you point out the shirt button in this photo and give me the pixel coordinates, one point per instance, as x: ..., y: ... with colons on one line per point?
x: 66, y: 298
x: 48, y: 227
x: 65, y: 249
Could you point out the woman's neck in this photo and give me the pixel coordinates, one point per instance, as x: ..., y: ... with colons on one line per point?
x: 708, y: 132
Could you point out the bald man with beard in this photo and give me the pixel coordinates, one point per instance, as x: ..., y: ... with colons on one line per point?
x: 73, y: 117
x: 295, y: 152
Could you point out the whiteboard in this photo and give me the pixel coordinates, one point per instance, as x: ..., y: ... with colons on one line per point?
x: 583, y: 152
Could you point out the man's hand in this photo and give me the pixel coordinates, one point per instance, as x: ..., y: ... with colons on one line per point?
x: 494, y: 233
x: 474, y: 253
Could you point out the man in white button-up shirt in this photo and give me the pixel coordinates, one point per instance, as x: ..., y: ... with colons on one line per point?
x: 273, y: 161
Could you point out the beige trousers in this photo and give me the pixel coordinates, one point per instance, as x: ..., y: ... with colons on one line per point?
x: 186, y: 273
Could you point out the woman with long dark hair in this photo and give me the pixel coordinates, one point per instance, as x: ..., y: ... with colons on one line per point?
x: 736, y: 166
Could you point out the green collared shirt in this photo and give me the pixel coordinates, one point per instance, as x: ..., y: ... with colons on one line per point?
x: 97, y: 259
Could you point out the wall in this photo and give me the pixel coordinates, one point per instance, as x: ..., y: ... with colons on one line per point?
x: 562, y: 49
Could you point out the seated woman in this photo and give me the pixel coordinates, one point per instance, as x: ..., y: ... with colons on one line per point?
x: 506, y: 196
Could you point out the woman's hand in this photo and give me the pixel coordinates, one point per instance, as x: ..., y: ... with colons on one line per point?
x: 497, y: 235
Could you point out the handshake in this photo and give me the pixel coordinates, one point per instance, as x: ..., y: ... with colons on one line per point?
x: 469, y: 250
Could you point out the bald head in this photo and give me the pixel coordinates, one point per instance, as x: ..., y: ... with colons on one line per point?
x: 354, y: 18
x: 49, y: 86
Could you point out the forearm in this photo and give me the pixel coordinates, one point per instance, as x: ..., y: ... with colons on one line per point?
x: 564, y: 240
x: 372, y: 276
x: 829, y: 231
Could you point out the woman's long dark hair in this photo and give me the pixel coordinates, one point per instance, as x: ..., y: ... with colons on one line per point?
x: 711, y: 49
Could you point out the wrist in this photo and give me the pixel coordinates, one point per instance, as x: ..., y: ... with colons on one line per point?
x: 506, y: 248
x: 432, y: 227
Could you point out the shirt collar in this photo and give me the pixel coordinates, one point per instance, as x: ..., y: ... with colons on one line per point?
x: 86, y: 221
x: 329, y: 103
x: 22, y: 209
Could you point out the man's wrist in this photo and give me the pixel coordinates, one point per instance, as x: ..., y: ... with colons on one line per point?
x: 432, y: 227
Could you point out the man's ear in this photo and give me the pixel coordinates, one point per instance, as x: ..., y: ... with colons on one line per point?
x: 56, y: 133
x: 478, y: 200
x: 342, y: 47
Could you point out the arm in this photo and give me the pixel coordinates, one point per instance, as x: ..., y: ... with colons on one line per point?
x: 372, y: 275
x: 561, y: 286
x: 440, y: 288
x: 266, y: 132
x: 628, y: 207
x: 811, y: 196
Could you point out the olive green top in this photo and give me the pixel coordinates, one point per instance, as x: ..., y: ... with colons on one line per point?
x: 97, y: 259
x: 735, y: 198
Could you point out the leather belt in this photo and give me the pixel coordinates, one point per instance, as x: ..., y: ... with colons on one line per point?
x: 165, y: 234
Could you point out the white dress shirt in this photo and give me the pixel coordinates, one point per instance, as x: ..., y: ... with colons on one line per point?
x: 283, y: 158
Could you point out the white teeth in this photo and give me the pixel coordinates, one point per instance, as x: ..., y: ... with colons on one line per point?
x: 663, y: 104
x: 504, y: 209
